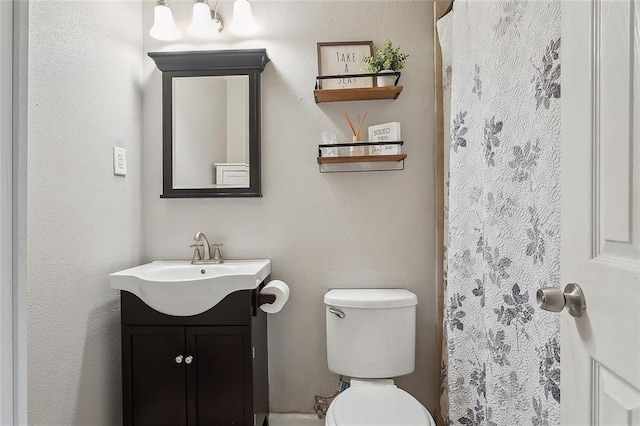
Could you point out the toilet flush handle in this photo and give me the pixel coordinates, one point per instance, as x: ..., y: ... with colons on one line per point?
x: 337, y: 312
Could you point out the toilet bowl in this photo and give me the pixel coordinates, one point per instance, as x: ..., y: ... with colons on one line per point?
x: 376, y: 404
x: 370, y: 338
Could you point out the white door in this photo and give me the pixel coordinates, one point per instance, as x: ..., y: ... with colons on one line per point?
x: 600, y: 359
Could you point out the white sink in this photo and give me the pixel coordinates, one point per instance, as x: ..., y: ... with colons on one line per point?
x: 181, y: 289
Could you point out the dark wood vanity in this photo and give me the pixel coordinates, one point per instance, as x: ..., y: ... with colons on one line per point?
x: 208, y: 369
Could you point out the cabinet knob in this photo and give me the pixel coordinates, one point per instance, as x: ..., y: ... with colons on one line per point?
x: 188, y: 360
x: 179, y: 359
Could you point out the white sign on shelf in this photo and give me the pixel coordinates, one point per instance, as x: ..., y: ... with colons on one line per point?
x: 387, y: 132
x: 384, y: 149
x: 344, y: 57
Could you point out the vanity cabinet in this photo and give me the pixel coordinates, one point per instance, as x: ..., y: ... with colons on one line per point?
x: 208, y: 369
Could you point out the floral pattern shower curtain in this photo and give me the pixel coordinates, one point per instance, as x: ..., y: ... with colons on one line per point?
x: 501, y: 360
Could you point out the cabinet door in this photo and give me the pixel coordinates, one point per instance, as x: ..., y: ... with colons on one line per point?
x: 219, y: 377
x: 154, y: 384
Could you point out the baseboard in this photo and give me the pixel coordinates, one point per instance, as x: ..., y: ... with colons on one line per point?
x: 289, y: 419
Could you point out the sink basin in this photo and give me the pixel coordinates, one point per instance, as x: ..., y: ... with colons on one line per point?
x: 181, y: 289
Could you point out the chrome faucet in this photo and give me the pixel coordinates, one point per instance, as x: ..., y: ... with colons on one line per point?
x: 204, y: 257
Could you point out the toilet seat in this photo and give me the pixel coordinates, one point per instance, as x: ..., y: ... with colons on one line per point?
x: 377, y: 406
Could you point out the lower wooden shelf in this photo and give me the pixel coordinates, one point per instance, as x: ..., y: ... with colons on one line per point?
x: 361, y: 163
x: 361, y: 159
x: 335, y: 157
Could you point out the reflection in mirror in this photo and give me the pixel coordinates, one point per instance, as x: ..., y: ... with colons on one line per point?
x: 210, y: 132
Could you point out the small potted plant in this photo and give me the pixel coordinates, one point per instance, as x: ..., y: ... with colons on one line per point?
x: 387, y: 60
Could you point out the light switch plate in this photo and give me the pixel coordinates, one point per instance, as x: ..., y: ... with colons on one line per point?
x: 119, y: 161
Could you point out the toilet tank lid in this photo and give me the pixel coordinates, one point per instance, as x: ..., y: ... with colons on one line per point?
x: 370, y: 298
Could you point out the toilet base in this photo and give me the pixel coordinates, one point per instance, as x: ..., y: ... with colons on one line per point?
x: 376, y: 402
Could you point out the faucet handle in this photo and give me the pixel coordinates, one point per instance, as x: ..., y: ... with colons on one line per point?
x: 217, y: 256
x: 196, y: 251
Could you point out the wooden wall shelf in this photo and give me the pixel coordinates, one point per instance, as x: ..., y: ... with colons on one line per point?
x: 360, y: 163
x: 359, y: 94
x: 361, y: 159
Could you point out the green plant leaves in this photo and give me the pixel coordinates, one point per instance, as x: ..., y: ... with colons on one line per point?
x: 389, y: 58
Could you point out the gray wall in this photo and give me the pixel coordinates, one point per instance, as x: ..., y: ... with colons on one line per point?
x: 85, y: 72
x: 321, y: 231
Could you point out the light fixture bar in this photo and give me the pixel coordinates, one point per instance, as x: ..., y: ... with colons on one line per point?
x: 217, y: 18
x: 205, y: 22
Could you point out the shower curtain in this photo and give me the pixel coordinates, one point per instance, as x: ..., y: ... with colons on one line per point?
x: 501, y: 72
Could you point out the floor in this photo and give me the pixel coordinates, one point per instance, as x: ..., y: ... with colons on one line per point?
x: 295, y: 420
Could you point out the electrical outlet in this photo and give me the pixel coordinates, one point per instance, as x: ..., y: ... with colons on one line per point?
x: 119, y: 161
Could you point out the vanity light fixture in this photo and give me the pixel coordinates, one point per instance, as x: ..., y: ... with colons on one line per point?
x: 205, y: 23
x: 164, y: 28
x: 243, y: 22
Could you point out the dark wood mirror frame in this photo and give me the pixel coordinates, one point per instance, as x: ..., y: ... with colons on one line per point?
x: 250, y: 62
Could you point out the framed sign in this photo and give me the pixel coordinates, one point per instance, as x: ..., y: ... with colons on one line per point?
x: 387, y: 132
x: 343, y: 57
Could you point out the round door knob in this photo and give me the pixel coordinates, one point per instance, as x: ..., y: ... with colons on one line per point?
x: 179, y: 359
x: 188, y: 360
x: 554, y: 300
x: 550, y: 299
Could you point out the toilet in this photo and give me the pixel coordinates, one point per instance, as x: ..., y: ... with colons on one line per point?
x: 371, y: 339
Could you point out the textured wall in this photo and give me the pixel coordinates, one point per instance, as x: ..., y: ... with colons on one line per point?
x: 83, y: 223
x: 321, y: 231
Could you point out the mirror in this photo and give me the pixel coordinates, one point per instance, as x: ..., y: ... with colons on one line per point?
x: 210, y: 136
x: 211, y: 122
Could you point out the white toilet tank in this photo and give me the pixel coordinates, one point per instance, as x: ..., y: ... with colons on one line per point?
x: 371, y: 333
